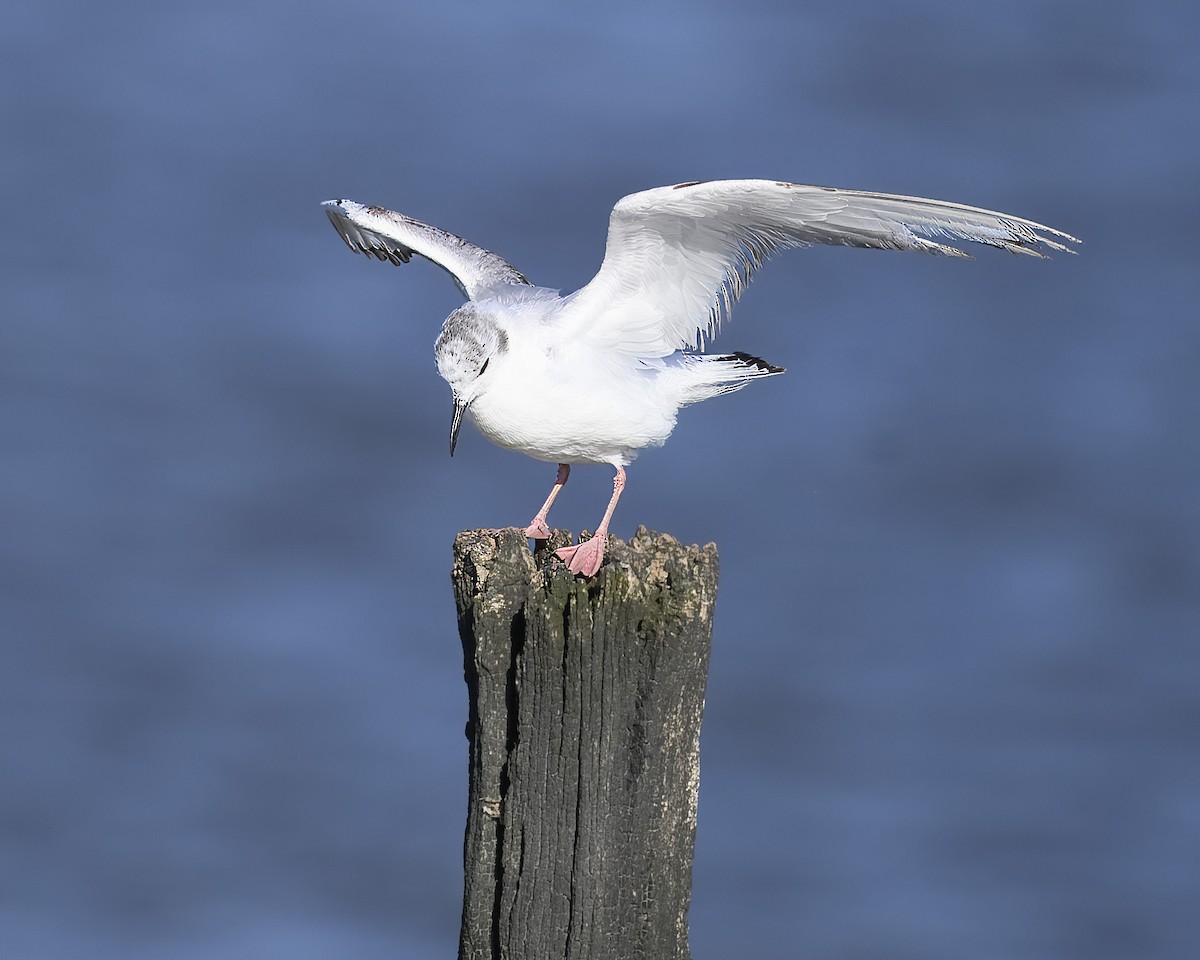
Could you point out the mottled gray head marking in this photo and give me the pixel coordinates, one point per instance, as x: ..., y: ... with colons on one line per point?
x: 467, y: 341
x: 464, y: 349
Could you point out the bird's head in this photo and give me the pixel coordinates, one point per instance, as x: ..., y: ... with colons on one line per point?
x: 469, y: 342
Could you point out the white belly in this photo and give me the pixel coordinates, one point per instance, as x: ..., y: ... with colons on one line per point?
x: 571, y: 420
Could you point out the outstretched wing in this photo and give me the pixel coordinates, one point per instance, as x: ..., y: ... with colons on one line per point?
x: 392, y: 236
x: 678, y: 257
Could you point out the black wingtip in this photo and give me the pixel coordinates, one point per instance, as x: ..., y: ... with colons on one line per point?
x: 748, y: 360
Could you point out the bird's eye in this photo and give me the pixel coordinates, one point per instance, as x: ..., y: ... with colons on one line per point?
x: 485, y: 366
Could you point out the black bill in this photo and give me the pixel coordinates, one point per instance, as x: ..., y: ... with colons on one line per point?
x: 456, y: 422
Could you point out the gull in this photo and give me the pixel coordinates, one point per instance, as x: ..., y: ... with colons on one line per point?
x: 595, y: 376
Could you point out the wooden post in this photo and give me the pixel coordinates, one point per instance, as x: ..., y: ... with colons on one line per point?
x: 585, y: 706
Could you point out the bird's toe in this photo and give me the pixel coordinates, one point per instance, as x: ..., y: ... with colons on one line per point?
x: 537, y: 529
x: 585, y: 558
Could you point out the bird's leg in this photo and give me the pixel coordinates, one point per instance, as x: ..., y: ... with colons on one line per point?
x: 585, y: 558
x: 537, y: 528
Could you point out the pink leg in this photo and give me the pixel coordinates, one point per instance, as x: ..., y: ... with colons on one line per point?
x: 585, y: 558
x: 537, y: 528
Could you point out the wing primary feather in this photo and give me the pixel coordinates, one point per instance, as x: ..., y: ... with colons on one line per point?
x: 387, y: 235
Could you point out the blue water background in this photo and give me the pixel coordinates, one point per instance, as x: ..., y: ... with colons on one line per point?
x: 954, y: 706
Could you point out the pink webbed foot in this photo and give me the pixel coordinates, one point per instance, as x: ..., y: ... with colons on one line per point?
x: 537, y: 530
x: 584, y: 558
